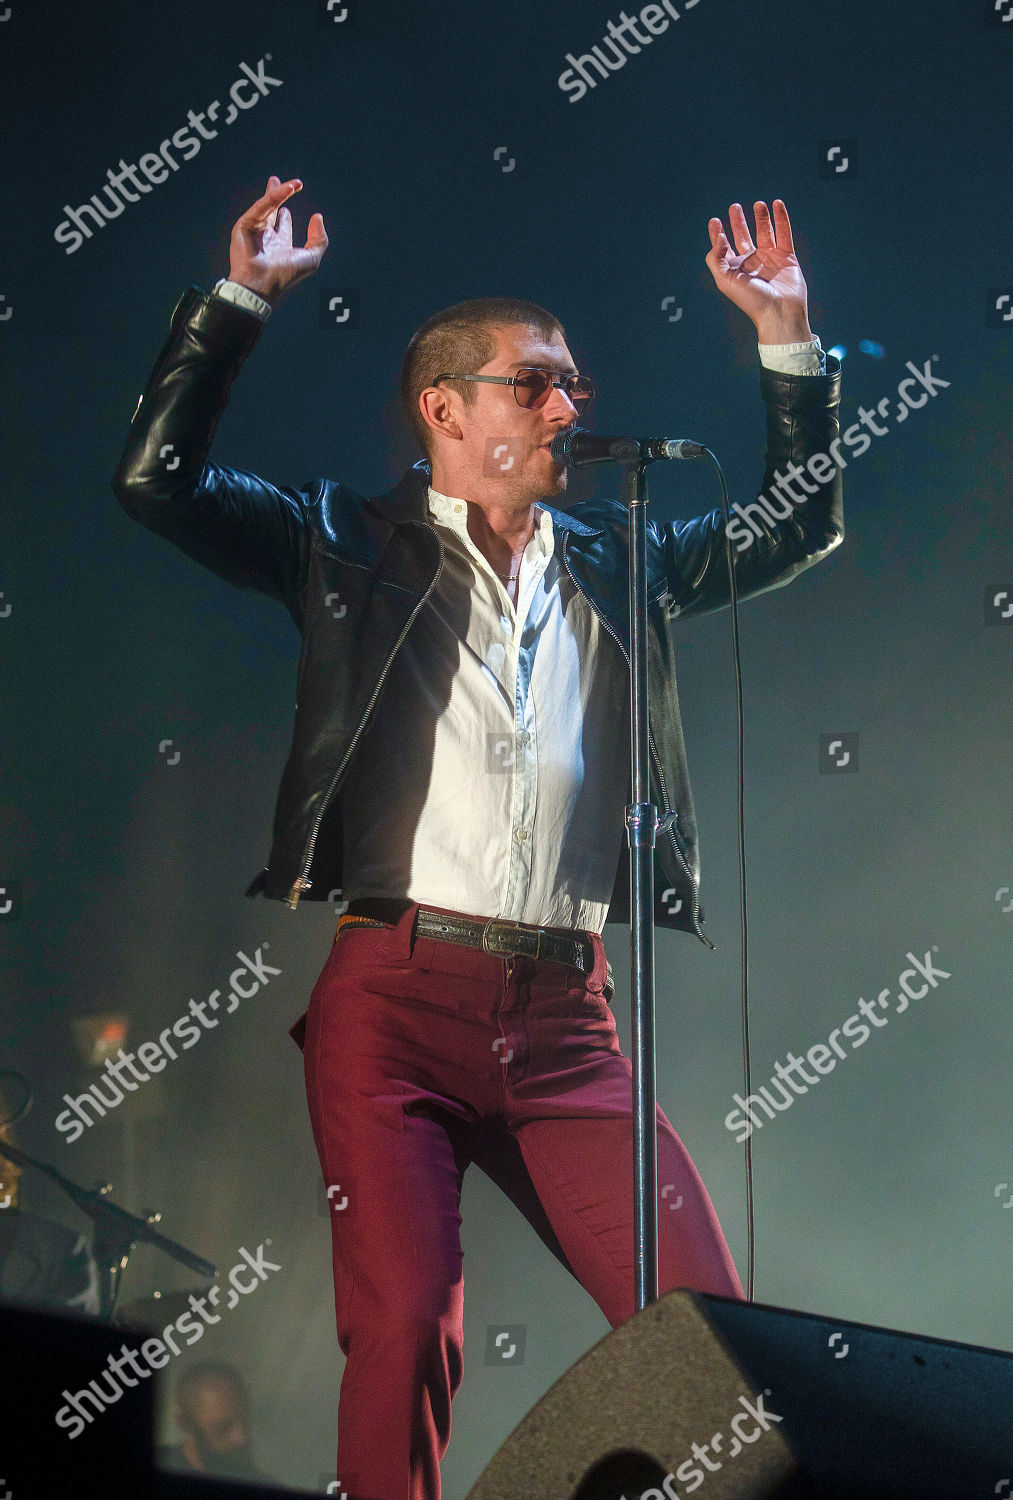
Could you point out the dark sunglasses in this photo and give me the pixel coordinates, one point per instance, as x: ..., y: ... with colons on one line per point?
x: 532, y: 387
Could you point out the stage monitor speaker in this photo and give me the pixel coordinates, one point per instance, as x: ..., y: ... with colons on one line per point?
x: 49, y: 1360
x: 204, y: 1487
x: 750, y: 1400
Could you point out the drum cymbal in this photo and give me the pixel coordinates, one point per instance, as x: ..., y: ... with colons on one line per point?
x: 152, y: 1313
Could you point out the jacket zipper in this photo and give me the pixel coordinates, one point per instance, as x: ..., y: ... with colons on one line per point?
x: 657, y: 761
x: 301, y: 882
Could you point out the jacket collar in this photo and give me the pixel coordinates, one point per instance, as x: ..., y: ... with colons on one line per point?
x: 406, y: 501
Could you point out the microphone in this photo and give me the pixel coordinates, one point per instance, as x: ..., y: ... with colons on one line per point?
x: 577, y: 446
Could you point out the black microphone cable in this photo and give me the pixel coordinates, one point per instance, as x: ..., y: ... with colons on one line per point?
x: 740, y: 816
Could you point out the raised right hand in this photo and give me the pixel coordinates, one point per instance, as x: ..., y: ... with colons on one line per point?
x: 261, y: 253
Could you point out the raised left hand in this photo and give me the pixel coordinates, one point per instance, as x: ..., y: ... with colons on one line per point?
x: 764, y: 278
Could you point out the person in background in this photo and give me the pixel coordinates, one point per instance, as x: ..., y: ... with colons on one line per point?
x: 211, y: 1408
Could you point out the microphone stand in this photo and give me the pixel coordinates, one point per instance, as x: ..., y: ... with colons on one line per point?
x: 116, y: 1231
x: 642, y: 827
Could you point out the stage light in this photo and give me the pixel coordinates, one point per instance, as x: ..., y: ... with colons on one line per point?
x: 99, y: 1037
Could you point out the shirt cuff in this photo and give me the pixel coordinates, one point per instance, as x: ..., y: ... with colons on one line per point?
x: 806, y: 358
x: 231, y: 291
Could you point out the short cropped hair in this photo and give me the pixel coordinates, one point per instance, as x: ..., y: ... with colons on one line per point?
x: 190, y: 1380
x: 460, y: 338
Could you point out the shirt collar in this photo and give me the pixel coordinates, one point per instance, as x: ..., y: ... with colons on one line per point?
x: 453, y: 512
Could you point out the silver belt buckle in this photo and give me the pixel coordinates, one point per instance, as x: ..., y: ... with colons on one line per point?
x: 501, y: 922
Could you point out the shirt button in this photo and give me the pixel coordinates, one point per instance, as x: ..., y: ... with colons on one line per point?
x: 524, y: 737
x: 522, y: 834
x: 458, y: 509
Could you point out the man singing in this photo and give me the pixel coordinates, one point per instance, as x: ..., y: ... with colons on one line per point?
x: 458, y: 775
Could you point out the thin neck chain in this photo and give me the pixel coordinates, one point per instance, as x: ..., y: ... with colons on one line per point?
x: 513, y: 577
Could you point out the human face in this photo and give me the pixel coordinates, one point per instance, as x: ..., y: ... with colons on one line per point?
x: 219, y: 1418
x: 496, y: 448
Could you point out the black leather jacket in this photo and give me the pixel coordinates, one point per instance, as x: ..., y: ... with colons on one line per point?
x: 381, y: 557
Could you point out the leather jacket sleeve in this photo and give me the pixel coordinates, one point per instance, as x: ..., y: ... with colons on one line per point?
x: 802, y: 420
x: 251, y: 533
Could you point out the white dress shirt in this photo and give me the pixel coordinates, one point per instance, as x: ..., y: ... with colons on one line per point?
x: 494, y: 775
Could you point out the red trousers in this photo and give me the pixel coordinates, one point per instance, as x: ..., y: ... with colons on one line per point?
x: 422, y: 1056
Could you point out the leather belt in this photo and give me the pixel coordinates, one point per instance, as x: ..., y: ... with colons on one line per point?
x: 496, y: 935
x: 499, y: 935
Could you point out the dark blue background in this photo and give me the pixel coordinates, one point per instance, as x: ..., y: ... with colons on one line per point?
x: 876, y: 1195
